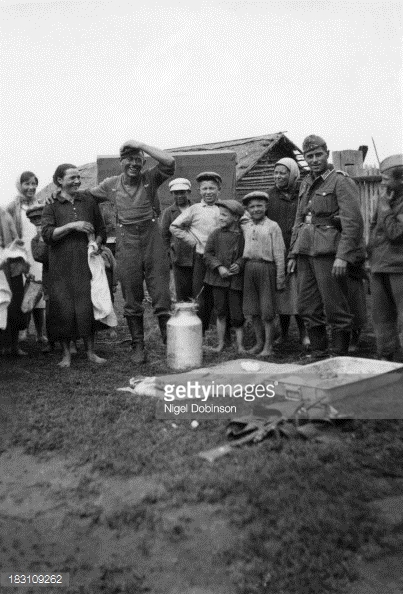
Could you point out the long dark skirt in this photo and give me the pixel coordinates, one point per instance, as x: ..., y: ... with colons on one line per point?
x: 70, y: 308
x: 16, y: 320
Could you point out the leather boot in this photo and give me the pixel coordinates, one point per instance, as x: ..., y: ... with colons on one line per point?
x: 162, y: 322
x: 340, y: 342
x: 136, y: 327
x: 319, y: 343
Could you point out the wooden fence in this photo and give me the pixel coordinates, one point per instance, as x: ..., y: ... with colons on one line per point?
x: 368, y: 181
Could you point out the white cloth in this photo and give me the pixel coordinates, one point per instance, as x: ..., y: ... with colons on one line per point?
x: 100, y: 294
x: 5, y: 300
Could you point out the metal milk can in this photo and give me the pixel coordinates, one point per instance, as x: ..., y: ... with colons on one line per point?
x: 184, y: 337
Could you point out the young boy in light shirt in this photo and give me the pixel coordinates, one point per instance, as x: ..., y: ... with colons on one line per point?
x: 194, y: 226
x: 264, y: 272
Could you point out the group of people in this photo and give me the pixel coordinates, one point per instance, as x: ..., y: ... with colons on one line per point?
x: 297, y: 250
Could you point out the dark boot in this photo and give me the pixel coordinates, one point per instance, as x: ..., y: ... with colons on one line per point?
x: 354, y: 340
x: 340, y: 342
x: 319, y: 343
x: 162, y: 322
x: 136, y: 327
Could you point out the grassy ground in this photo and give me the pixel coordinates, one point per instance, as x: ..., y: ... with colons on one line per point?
x: 282, y: 517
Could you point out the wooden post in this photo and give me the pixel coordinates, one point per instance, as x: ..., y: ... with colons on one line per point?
x: 349, y: 161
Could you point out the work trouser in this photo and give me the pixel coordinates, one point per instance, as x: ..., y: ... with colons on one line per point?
x: 387, y: 311
x: 205, y: 299
x: 141, y: 255
x: 322, y: 297
x: 357, y: 302
x: 183, y: 277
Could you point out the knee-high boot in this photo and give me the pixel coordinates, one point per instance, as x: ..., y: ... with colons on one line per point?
x: 136, y: 327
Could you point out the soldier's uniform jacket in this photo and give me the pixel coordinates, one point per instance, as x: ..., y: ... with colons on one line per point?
x: 328, y: 219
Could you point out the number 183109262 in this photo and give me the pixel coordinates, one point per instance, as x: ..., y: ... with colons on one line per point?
x: 19, y: 579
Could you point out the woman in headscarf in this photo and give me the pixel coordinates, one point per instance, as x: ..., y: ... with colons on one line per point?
x: 26, y: 185
x: 282, y: 207
x: 12, y: 320
x: 67, y: 225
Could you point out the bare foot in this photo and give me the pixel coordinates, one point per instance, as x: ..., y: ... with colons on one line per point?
x: 95, y: 359
x: 241, y: 351
x: 65, y: 362
x: 266, y: 353
x: 73, y: 349
x: 255, y: 350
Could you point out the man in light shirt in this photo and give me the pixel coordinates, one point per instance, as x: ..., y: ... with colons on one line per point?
x: 194, y: 226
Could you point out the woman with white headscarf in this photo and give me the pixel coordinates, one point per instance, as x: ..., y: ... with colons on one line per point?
x: 26, y: 185
x: 282, y: 208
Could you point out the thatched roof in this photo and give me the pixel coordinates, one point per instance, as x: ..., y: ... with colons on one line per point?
x: 249, y: 152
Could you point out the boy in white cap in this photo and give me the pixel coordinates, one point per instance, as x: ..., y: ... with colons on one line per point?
x: 264, y: 256
x: 194, y: 226
x: 181, y: 253
x: 224, y: 262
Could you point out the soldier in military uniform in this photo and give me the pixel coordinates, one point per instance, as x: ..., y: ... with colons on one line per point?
x: 327, y: 239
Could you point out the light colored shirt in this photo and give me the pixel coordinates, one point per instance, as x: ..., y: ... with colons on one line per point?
x: 195, y: 224
x: 264, y: 241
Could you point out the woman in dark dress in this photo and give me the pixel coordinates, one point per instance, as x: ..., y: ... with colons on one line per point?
x: 67, y: 225
x: 282, y: 208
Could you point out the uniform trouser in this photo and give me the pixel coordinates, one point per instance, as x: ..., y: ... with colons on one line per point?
x: 183, y: 276
x: 141, y: 255
x: 387, y: 311
x: 357, y: 302
x: 205, y: 299
x: 322, y: 297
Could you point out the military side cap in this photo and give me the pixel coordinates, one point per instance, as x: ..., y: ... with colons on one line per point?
x: 392, y: 161
x: 180, y: 183
x: 312, y: 142
x: 34, y: 211
x: 255, y: 196
x: 209, y: 175
x: 232, y: 205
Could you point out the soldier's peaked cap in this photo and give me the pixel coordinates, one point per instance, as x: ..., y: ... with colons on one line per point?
x: 312, y: 142
x: 392, y: 161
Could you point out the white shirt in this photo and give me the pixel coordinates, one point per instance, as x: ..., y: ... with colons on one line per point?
x: 195, y: 224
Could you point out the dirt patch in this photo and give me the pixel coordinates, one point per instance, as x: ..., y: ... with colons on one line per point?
x: 111, y: 535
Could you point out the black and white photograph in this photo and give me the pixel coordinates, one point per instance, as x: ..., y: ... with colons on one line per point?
x: 201, y: 297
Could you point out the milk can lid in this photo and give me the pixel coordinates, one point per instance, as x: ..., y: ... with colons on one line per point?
x: 186, y: 306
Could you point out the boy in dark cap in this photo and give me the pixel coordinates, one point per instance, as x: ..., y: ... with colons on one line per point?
x: 327, y: 239
x: 264, y: 256
x: 224, y: 263
x: 194, y: 226
x: 386, y: 261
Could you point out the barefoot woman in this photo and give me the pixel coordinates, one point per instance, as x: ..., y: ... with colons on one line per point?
x: 67, y: 224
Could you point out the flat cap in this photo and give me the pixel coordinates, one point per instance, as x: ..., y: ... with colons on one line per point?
x: 256, y: 195
x: 34, y: 211
x: 209, y: 175
x: 312, y: 142
x: 232, y: 205
x: 180, y: 183
x: 392, y: 161
x: 126, y: 150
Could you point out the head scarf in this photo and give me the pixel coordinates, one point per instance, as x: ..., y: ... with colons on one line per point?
x: 293, y: 168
